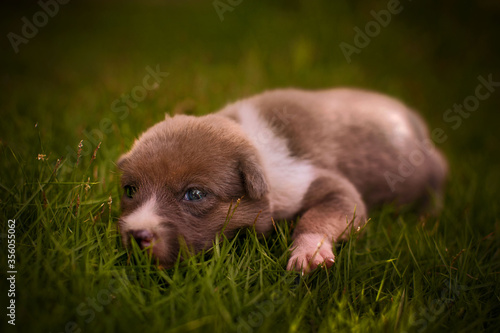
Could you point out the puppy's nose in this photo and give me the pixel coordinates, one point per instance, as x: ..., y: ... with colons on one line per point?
x: 143, y: 237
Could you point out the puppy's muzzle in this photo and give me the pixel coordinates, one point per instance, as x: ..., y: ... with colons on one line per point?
x: 144, y: 238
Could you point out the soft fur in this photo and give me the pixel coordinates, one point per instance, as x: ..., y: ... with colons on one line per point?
x: 322, y: 155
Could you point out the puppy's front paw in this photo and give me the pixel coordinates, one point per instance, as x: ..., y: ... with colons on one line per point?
x: 310, y: 251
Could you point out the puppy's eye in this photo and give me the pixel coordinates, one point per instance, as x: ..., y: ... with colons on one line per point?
x: 194, y: 194
x: 130, y: 191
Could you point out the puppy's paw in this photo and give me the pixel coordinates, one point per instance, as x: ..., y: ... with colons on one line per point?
x: 309, y: 252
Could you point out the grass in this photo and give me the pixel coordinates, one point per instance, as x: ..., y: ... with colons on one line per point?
x: 404, y: 273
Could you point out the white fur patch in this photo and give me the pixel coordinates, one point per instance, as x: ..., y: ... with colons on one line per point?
x: 400, y: 129
x: 144, y: 217
x: 289, y: 178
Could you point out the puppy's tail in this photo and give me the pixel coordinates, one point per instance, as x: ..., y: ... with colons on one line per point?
x: 437, y: 176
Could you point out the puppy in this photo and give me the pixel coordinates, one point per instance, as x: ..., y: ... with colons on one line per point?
x: 327, y: 156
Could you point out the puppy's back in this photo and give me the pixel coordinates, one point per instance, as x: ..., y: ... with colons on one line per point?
x: 363, y: 135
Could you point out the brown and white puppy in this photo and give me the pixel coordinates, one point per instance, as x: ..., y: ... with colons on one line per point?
x: 322, y: 155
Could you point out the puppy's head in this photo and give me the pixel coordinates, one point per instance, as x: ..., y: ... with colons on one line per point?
x: 179, y: 180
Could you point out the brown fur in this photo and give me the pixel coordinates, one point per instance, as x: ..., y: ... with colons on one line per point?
x: 342, y: 134
x: 186, y: 151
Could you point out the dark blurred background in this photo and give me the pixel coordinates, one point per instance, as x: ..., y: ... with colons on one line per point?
x: 69, y: 79
x: 91, y: 53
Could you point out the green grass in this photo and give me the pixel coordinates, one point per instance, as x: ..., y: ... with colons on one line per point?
x: 403, y: 273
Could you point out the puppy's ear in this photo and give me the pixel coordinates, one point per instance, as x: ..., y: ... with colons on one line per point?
x: 253, y: 176
x: 121, y: 161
